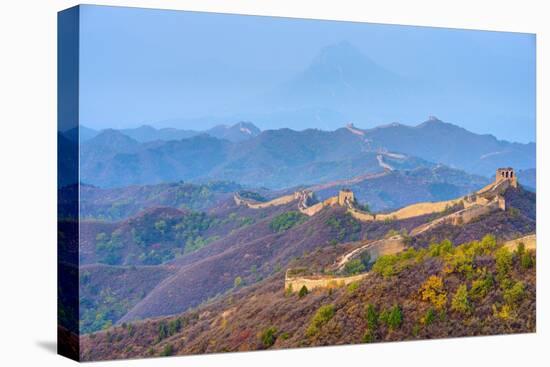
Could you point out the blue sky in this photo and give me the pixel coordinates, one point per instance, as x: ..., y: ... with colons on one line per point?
x: 142, y: 66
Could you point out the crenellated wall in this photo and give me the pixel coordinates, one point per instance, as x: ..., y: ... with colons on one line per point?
x: 476, y: 204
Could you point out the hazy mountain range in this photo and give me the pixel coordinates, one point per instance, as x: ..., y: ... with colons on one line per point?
x: 145, y: 133
x: 285, y: 158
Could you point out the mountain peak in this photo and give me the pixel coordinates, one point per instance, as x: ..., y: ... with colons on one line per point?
x: 342, y: 56
x: 240, y: 131
x: 247, y: 127
x: 434, y: 121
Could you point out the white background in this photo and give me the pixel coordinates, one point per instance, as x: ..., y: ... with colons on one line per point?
x: 28, y: 181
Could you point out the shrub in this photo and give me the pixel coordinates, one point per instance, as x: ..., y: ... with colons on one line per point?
x: 289, y: 290
x: 393, y: 318
x: 389, y: 265
x: 461, y: 261
x: 369, y: 336
x: 481, y: 287
x: 514, y: 294
x: 526, y: 261
x: 345, y: 226
x: 460, y: 302
x: 365, y: 258
x: 237, y: 282
x: 372, y: 317
x: 385, y: 265
x: 162, y: 331
x: 433, y: 291
x: 303, y: 292
x: 321, y: 317
x: 168, y: 350
x: 287, y: 220
x: 352, y: 287
x: 520, y: 250
x: 440, y: 249
x: 503, y: 259
x: 174, y: 326
x: 268, y: 336
x: 353, y: 267
x: 488, y: 243
x: 428, y: 317
x: 505, y: 312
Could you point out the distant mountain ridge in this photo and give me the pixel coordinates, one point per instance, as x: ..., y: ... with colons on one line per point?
x: 449, y: 144
x: 285, y: 158
x: 240, y: 131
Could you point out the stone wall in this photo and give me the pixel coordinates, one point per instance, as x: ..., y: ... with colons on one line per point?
x: 419, y: 209
x: 530, y: 242
x: 282, y: 200
x: 481, y: 202
x: 377, y: 248
x: 316, y: 208
x: 294, y: 284
x: 463, y: 216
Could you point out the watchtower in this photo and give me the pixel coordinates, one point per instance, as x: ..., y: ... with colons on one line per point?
x: 345, y: 197
x: 507, y: 174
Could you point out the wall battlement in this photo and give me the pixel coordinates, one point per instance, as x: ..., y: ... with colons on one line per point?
x: 508, y: 174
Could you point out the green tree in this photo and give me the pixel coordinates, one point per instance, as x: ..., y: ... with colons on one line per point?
x: 372, y: 317
x: 481, y: 287
x: 488, y: 243
x: 162, y: 331
x: 269, y: 336
x: 174, y: 326
x: 393, y: 318
x: 323, y: 315
x: 353, y: 267
x: 237, y: 282
x: 428, y: 317
x: 303, y: 291
x: 460, y: 302
x: 365, y: 258
x: 287, y: 220
x: 168, y: 350
x: 503, y: 259
x: 526, y: 261
x: 514, y: 294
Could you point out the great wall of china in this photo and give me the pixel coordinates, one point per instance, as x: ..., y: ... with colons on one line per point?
x: 483, y: 201
x: 486, y: 200
x: 295, y: 280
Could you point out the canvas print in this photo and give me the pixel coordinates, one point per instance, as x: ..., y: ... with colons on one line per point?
x: 235, y: 183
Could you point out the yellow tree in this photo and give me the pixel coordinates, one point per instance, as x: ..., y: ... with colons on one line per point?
x: 433, y: 291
